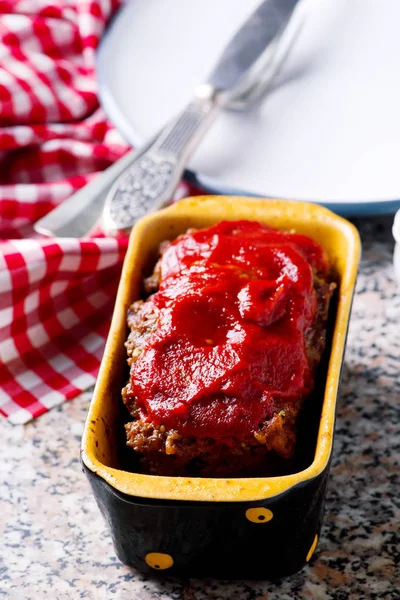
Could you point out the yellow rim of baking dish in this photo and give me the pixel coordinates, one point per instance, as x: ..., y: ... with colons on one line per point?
x: 341, y: 240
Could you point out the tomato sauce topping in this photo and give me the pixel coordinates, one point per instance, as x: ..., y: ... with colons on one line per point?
x: 234, y: 305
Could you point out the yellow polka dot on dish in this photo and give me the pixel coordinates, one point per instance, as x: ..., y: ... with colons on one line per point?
x: 259, y: 514
x: 159, y: 561
x: 312, y: 549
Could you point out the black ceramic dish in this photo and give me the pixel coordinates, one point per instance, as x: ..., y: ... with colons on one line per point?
x: 232, y: 528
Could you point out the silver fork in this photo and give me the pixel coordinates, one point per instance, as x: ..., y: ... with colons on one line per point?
x: 145, y: 180
x: 244, y: 71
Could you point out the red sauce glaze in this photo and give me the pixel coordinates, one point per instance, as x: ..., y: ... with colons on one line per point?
x: 234, y: 302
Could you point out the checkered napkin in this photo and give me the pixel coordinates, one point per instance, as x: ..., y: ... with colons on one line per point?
x: 56, y: 295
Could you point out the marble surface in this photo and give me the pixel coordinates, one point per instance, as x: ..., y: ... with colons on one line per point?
x: 54, y: 543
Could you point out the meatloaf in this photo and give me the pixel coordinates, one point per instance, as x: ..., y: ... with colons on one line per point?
x: 223, y: 350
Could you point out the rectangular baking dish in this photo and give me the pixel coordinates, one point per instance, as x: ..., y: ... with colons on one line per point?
x: 264, y: 527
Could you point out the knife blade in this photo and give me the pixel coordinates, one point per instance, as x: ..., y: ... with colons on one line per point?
x: 248, y: 45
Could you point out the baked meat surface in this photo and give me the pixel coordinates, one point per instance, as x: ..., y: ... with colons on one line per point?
x: 165, y: 451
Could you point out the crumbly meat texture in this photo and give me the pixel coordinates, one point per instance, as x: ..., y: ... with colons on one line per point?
x: 166, y: 452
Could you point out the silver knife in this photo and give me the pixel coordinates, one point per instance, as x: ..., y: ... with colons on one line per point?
x: 149, y: 180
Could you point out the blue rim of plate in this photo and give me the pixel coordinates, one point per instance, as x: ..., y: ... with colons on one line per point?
x: 360, y: 208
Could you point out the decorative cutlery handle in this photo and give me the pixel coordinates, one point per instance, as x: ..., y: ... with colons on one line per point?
x: 150, y: 181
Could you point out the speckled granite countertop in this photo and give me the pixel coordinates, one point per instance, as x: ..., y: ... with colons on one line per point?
x: 54, y: 543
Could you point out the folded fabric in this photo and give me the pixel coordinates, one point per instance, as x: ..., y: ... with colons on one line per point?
x: 56, y: 295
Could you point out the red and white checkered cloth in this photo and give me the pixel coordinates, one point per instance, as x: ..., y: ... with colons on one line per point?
x: 56, y: 295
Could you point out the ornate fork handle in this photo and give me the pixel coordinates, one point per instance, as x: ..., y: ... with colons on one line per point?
x: 148, y: 184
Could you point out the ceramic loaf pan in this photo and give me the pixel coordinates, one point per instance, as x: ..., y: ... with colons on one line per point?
x: 233, y: 528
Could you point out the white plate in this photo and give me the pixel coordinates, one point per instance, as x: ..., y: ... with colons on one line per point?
x: 328, y: 131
